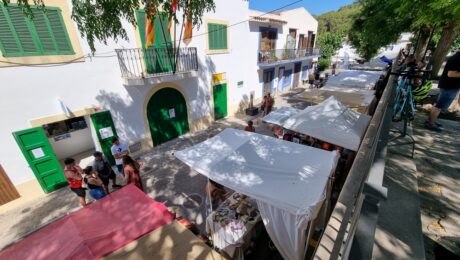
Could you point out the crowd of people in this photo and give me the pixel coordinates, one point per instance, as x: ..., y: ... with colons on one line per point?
x: 95, y: 178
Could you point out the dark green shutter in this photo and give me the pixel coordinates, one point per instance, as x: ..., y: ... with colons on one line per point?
x: 21, y: 27
x: 60, y: 33
x: 43, y: 31
x: 8, y: 41
x: 45, y: 34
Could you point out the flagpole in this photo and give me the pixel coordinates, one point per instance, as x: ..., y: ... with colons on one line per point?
x: 164, y: 35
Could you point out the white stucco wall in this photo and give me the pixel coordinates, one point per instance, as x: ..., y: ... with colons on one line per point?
x: 32, y: 92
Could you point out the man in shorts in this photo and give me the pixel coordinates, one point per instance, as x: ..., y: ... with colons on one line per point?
x: 119, y: 150
x: 449, y: 85
x: 105, y: 172
x: 73, y: 174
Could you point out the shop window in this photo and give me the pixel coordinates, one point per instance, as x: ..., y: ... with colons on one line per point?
x: 64, y: 127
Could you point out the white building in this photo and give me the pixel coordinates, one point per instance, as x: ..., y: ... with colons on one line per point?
x: 59, y: 101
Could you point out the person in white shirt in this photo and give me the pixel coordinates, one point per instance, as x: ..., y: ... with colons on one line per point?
x: 118, y: 151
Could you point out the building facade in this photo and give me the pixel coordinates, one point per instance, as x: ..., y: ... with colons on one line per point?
x: 60, y: 100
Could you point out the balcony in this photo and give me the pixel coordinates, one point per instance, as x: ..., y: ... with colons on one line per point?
x: 141, y: 66
x: 282, y: 56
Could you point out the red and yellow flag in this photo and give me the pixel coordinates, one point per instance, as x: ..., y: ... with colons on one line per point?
x: 188, y: 29
x: 149, y: 25
x: 171, y: 12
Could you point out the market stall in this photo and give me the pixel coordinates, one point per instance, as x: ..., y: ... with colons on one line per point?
x: 332, y: 122
x: 290, y: 182
x: 279, y: 115
x: 112, y: 223
x: 362, y: 101
x: 232, y: 224
x: 353, y: 79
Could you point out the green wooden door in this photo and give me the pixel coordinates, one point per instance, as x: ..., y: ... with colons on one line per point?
x: 41, y: 158
x: 159, y: 57
x: 220, y: 101
x: 105, y: 130
x: 167, y: 115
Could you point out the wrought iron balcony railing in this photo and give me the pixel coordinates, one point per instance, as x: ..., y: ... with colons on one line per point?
x: 144, y: 63
x: 280, y: 55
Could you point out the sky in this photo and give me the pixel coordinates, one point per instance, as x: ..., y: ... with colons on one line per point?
x: 315, y: 7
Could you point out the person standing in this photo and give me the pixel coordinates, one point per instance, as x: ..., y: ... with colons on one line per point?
x: 105, y: 172
x: 334, y: 67
x: 94, y: 183
x: 73, y: 174
x: 268, y: 104
x: 250, y: 127
x: 262, y: 106
x: 132, y: 170
x: 119, y: 150
x: 449, y: 85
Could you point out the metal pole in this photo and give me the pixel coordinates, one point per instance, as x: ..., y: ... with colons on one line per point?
x: 180, y: 37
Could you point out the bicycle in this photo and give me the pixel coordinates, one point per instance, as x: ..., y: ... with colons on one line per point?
x: 404, y: 106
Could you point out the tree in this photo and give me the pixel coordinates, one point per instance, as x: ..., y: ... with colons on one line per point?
x: 328, y: 43
x: 381, y: 22
x: 339, y: 21
x: 101, y: 20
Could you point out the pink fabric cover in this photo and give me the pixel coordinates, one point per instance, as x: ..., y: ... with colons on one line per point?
x: 96, y: 230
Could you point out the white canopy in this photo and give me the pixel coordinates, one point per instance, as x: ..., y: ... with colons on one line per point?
x: 331, y: 121
x: 355, y: 79
x: 280, y: 115
x: 288, y: 180
x: 374, y: 64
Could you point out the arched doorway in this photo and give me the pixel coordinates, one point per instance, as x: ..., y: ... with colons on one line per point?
x: 167, y: 115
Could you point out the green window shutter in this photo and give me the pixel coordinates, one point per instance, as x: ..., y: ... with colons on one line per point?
x: 217, y: 36
x: 141, y: 25
x: 44, y: 32
x: 8, y: 42
x: 22, y: 30
x: 224, y: 37
x: 59, y: 30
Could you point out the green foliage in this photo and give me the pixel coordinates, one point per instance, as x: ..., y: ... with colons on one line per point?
x: 329, y: 43
x: 101, y: 20
x: 339, y: 21
x: 323, y: 63
x: 456, y: 44
x: 377, y: 25
x: 380, y: 23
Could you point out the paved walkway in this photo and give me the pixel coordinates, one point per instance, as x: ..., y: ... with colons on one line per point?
x: 438, y: 171
x: 166, y: 179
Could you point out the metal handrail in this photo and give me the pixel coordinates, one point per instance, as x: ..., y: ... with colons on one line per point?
x: 336, y: 241
x: 143, y: 63
x: 277, y: 55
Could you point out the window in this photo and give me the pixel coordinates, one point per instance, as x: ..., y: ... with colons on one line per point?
x: 267, y: 39
x: 21, y: 36
x: 217, y: 36
x: 287, y: 78
x: 63, y: 127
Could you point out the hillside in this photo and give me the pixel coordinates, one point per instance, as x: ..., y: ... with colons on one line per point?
x: 340, y: 20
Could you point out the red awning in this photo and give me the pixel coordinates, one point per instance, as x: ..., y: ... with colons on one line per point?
x: 96, y: 230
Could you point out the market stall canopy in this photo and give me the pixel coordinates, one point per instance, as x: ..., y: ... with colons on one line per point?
x: 353, y: 79
x: 280, y: 115
x: 374, y: 65
x: 169, y: 242
x: 95, y: 230
x: 360, y: 100
x: 288, y: 180
x: 287, y: 175
x: 332, y: 122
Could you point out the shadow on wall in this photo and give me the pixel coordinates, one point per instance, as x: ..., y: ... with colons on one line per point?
x: 127, y: 112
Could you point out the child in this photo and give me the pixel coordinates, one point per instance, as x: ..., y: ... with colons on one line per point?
x: 94, y: 183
